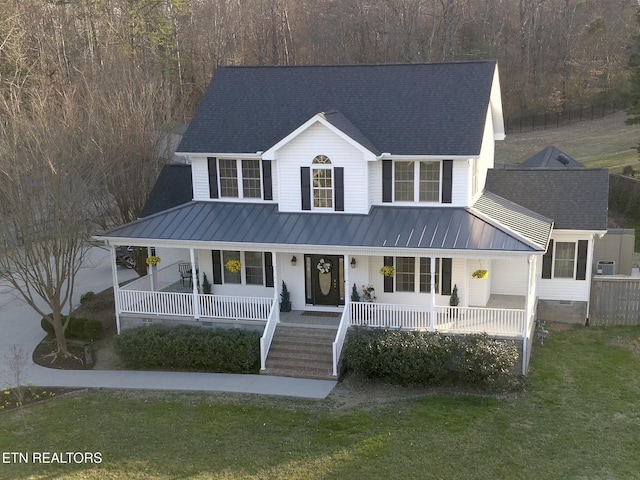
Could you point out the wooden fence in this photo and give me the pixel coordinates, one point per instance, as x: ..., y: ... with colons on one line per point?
x: 615, y: 301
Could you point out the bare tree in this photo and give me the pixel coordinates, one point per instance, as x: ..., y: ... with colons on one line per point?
x: 44, y: 216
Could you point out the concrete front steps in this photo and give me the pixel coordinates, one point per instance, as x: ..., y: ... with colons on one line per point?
x: 301, y: 352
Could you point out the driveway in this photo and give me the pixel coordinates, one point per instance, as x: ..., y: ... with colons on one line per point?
x: 20, y: 324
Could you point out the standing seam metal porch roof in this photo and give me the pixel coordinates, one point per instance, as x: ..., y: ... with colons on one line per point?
x: 446, y: 228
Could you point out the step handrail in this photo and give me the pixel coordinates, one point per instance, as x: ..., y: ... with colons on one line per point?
x: 341, y: 335
x: 268, y: 333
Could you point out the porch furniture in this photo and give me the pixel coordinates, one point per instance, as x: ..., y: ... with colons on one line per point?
x: 185, y: 273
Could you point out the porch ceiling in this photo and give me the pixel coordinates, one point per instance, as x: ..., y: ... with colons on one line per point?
x: 438, y: 228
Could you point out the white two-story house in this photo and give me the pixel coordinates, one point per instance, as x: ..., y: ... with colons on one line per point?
x: 331, y: 179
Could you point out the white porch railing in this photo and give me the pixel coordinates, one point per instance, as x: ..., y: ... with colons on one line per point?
x: 389, y: 315
x: 156, y: 303
x: 269, y: 332
x: 181, y: 304
x: 493, y: 321
x: 235, y: 308
x: 341, y: 335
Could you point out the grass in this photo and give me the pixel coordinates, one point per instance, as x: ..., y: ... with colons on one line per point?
x: 604, y: 143
x: 579, y: 419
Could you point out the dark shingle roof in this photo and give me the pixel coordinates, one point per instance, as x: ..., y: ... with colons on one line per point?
x: 172, y: 188
x: 573, y: 199
x: 551, y: 157
x: 385, y: 226
x: 424, y: 109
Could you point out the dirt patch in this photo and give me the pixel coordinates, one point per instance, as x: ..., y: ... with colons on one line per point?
x: 45, y: 356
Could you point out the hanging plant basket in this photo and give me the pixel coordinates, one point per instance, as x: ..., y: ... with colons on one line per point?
x: 324, y: 266
x: 233, y: 266
x: 387, y: 271
x: 480, y: 274
x: 152, y: 261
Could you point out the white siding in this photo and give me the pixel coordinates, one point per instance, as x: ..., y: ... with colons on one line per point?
x: 566, y: 288
x: 461, y: 180
x: 200, y: 178
x: 375, y: 183
x: 479, y: 289
x: 299, y: 152
x: 508, y: 277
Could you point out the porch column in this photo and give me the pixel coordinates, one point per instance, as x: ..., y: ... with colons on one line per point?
x: 154, y: 273
x: 194, y: 282
x: 528, y: 306
x: 274, y: 264
x: 347, y: 284
x: 116, y: 287
x: 432, y: 309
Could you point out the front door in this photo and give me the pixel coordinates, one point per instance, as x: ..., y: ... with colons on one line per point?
x: 324, y: 279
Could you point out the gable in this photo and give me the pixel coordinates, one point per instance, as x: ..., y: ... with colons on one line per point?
x: 551, y: 157
x: 408, y: 109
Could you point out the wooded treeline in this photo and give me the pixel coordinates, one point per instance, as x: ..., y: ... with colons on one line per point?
x: 553, y: 54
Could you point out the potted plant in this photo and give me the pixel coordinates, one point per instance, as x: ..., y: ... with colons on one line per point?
x: 355, y: 296
x: 285, y: 299
x: 206, y: 285
x: 454, y: 301
x: 480, y: 274
x: 387, y: 271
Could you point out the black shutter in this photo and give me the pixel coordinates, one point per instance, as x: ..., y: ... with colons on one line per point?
x: 339, y: 188
x: 268, y: 269
x: 305, y: 187
x: 267, y: 183
x: 446, y: 275
x: 212, y: 163
x: 447, y: 180
x: 387, y: 180
x: 547, y: 261
x: 581, y: 273
x: 388, y: 281
x: 216, y: 256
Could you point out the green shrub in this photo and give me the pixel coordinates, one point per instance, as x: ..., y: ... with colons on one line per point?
x: 86, y: 297
x: 92, y: 330
x: 75, y: 329
x: 189, y: 347
x: 46, y: 326
x: 420, y: 358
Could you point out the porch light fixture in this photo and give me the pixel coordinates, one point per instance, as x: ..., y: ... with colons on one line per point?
x: 294, y: 260
x: 353, y: 262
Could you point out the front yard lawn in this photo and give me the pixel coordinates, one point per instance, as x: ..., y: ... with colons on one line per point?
x: 578, y: 419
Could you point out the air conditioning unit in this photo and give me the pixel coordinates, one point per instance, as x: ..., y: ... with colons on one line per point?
x: 606, y: 268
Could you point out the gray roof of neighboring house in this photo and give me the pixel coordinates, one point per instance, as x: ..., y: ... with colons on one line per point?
x: 575, y: 199
x: 172, y: 188
x: 403, y: 109
x: 384, y: 226
x: 551, y: 157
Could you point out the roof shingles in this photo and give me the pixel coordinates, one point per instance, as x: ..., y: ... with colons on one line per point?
x: 404, y: 109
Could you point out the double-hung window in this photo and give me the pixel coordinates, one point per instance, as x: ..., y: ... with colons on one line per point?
x: 416, y: 181
x: 239, y: 178
x: 251, y: 271
x: 565, y: 260
x: 405, y: 274
x: 425, y: 275
x: 322, y: 182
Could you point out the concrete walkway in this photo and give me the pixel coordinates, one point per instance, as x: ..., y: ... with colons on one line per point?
x: 20, y: 326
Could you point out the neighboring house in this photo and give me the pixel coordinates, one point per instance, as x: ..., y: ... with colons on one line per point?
x: 321, y: 176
